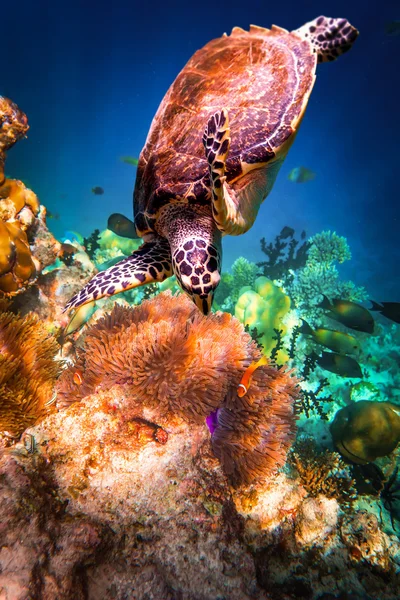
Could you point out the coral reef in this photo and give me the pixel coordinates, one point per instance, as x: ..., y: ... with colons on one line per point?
x: 54, y: 287
x: 13, y: 126
x: 322, y: 472
x: 320, y: 276
x: 91, y: 243
x: 111, y: 245
x: 264, y: 307
x: 26, y: 245
x: 283, y: 257
x: 242, y: 273
x: 118, y: 514
x: 28, y: 371
x: 327, y: 247
x: 178, y: 363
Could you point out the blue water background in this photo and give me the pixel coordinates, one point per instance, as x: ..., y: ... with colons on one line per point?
x: 90, y: 76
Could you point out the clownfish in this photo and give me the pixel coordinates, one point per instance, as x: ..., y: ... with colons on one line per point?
x: 245, y: 382
x: 77, y: 378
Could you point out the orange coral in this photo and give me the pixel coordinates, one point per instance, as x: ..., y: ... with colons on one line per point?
x: 181, y: 363
x: 28, y: 371
x: 20, y: 261
x: 16, y: 264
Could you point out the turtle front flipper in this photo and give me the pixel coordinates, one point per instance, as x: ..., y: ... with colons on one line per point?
x: 233, y: 215
x: 150, y: 263
x: 329, y: 37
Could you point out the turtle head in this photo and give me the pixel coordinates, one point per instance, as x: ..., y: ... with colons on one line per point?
x: 195, y: 243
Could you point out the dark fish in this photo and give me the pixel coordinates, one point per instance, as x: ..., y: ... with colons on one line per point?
x: 365, y: 430
x: 67, y: 249
x: 349, y: 313
x: 130, y: 160
x: 345, y: 366
x: 303, y: 235
x: 286, y: 232
x: 51, y: 215
x: 301, y: 175
x: 343, y: 343
x: 392, y: 28
x: 122, y: 226
x: 98, y: 191
x: 390, y: 310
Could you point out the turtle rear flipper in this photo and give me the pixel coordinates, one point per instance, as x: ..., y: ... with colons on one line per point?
x: 150, y: 263
x: 329, y: 37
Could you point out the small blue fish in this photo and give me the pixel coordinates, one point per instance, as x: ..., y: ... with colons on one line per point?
x: 301, y: 175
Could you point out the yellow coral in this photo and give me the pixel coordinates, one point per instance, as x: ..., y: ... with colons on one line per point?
x: 28, y: 371
x: 14, y: 196
x: 264, y: 308
x: 109, y: 240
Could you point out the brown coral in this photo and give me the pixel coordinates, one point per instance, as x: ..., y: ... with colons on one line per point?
x: 28, y: 371
x: 13, y: 126
x: 21, y: 259
x: 16, y: 264
x: 181, y: 363
x: 323, y: 472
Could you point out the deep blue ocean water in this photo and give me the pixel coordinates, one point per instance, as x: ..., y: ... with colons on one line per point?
x: 90, y: 76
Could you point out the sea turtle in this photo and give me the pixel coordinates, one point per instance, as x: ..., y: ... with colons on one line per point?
x: 214, y: 150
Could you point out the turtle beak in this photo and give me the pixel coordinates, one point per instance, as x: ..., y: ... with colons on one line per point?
x: 203, y: 304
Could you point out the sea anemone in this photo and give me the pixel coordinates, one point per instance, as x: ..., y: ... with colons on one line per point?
x: 28, y: 371
x: 178, y: 362
x: 254, y: 433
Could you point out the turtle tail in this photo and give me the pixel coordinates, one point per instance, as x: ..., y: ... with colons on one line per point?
x: 329, y: 37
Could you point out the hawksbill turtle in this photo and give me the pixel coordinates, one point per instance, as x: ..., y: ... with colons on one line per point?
x: 214, y: 150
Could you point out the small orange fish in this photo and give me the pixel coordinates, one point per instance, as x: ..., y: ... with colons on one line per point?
x: 77, y: 378
x: 245, y: 382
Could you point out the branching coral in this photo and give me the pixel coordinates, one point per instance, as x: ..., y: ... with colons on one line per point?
x: 328, y: 247
x: 28, y: 371
x: 283, y: 257
x: 320, y: 275
x: 178, y: 362
x: 322, y: 472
